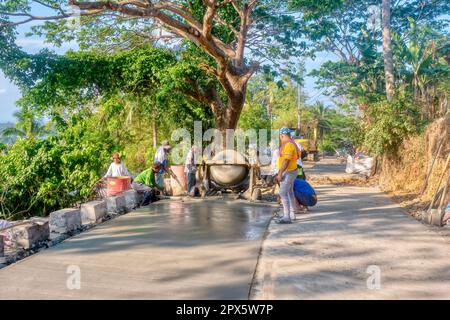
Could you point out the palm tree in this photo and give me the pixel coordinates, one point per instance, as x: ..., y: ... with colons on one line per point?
x: 321, y: 119
x: 425, y: 70
x: 27, y: 126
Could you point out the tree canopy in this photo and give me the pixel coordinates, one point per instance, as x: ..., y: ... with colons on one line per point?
x: 222, y: 31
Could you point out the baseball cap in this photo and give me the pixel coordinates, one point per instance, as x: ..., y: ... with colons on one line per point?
x: 287, y: 131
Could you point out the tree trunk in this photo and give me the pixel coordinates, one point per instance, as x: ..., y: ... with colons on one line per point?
x: 154, y: 133
x: 228, y: 117
x: 387, y: 49
x: 299, y: 106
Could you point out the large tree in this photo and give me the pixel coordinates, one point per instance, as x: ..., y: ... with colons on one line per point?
x: 344, y: 27
x: 351, y: 31
x: 223, y: 30
x: 387, y: 49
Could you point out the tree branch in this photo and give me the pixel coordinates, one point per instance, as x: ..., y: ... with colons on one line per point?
x: 208, y: 18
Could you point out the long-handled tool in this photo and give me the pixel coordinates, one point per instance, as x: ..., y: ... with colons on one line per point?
x: 434, y: 215
x: 430, y: 170
x: 174, y: 177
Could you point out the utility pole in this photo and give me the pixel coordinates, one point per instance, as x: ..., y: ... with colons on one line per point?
x: 387, y: 48
x: 299, y: 107
x: 300, y: 96
x: 270, y: 104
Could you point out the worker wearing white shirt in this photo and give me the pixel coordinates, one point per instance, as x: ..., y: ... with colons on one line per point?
x: 273, y: 163
x: 190, y: 169
x: 161, y: 157
x: 301, y: 171
x: 117, y: 168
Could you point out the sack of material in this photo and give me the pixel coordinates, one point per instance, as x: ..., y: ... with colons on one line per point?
x: 304, y: 193
x: 359, y: 164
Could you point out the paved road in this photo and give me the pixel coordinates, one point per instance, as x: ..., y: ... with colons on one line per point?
x: 336, y: 251
x: 176, y: 250
x: 330, y: 170
x: 209, y: 250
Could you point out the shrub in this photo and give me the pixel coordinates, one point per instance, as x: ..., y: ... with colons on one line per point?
x: 40, y: 176
x: 389, y: 124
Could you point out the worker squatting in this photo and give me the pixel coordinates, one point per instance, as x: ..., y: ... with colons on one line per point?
x: 287, y: 173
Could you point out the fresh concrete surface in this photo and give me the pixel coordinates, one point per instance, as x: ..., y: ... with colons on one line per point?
x: 332, y: 252
x: 169, y: 250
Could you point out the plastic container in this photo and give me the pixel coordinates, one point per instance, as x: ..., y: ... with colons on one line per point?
x: 117, y: 185
x: 179, y: 173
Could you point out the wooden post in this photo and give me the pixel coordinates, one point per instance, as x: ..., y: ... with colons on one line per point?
x: 252, y: 181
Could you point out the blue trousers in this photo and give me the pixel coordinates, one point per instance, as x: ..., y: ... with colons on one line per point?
x: 192, y: 181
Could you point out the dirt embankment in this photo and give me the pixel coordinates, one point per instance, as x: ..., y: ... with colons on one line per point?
x: 406, y: 177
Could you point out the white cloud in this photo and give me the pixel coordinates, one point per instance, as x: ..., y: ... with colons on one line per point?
x: 28, y: 42
x: 2, y: 91
x: 33, y: 45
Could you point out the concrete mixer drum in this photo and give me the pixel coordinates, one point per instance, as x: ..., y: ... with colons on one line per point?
x: 229, y: 169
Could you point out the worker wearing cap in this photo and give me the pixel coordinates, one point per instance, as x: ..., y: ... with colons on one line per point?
x: 161, y: 156
x: 145, y: 183
x: 287, y: 173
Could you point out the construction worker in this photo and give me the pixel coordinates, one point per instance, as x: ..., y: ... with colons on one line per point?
x: 301, y: 172
x: 161, y: 156
x: 190, y: 168
x: 146, y: 183
x: 287, y: 173
x: 117, y: 168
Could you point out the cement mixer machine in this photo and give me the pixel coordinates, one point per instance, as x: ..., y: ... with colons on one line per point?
x: 228, y: 170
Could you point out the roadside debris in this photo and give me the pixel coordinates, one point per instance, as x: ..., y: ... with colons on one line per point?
x: 436, y: 214
x: 360, y: 164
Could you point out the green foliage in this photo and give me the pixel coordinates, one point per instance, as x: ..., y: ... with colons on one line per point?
x: 333, y: 123
x: 356, y: 74
x: 390, y: 124
x: 39, y: 176
x: 121, y: 87
x: 254, y: 116
x: 327, y: 145
x: 356, y: 133
x: 98, y: 103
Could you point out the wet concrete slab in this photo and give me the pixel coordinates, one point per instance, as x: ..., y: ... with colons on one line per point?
x: 169, y: 250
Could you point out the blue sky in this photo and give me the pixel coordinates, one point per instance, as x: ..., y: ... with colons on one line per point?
x: 9, y: 93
